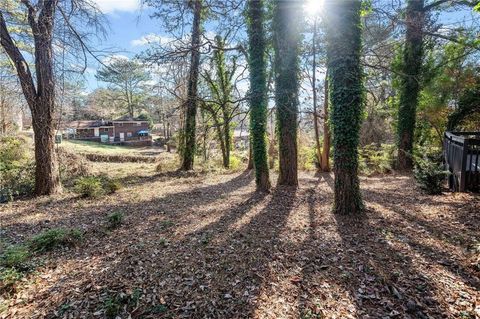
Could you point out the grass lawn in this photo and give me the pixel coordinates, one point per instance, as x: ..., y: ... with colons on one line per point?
x: 108, y: 149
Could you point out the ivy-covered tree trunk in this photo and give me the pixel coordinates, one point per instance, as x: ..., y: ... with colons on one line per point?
x: 410, y: 81
x: 286, y: 45
x: 346, y: 96
x: 258, y: 92
x: 192, y: 91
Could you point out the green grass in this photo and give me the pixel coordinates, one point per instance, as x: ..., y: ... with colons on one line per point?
x: 54, y: 238
x: 95, y: 147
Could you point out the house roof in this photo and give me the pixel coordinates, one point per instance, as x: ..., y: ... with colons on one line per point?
x: 86, y: 124
x: 127, y: 118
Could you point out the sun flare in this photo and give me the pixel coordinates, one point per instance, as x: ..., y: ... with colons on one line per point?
x: 313, y: 7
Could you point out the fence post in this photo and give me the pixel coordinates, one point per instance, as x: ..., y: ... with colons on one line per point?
x: 463, y: 173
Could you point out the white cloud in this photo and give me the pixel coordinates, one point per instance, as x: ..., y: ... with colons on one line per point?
x: 112, y: 58
x: 149, y: 39
x: 109, y: 6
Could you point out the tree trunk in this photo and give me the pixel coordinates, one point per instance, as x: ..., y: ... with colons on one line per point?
x: 286, y: 46
x: 47, y: 178
x: 40, y: 95
x: 258, y: 93
x: 314, y: 84
x: 346, y: 95
x: 250, y: 156
x: 192, y: 98
x: 410, y: 82
x: 227, y: 141
x: 325, y: 162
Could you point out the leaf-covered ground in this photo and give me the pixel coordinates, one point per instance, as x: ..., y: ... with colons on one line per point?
x: 208, y: 246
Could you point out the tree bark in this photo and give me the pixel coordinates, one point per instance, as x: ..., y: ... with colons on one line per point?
x: 286, y: 46
x: 40, y: 98
x: 325, y: 162
x: 410, y: 82
x: 258, y: 93
x: 346, y: 95
x: 192, y: 92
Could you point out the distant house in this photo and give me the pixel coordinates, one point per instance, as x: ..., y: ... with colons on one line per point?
x: 121, y: 131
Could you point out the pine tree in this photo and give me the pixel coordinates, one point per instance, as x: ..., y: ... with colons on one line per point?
x: 346, y: 98
x: 258, y: 92
x: 286, y: 46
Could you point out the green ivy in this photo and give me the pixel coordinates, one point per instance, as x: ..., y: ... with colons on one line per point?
x: 258, y: 91
x: 346, y: 93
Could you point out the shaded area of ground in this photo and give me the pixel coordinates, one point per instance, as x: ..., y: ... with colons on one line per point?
x: 208, y: 246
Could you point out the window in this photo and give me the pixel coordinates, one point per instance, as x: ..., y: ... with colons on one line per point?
x: 129, y: 134
x: 139, y: 123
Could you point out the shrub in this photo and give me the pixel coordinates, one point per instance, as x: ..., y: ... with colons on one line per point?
x: 114, y: 220
x: 235, y: 163
x: 375, y: 159
x: 429, y: 172
x: 16, y: 168
x: 89, y: 187
x: 307, y: 158
x: 72, y: 166
x: 112, y: 186
x: 112, y: 306
x: 16, y: 256
x: 54, y: 238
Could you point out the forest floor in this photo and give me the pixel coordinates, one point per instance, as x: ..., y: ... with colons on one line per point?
x: 209, y: 246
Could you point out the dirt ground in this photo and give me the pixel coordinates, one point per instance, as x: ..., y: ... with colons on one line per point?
x: 208, y: 246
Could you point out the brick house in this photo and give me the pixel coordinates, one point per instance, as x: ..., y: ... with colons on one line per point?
x: 121, y: 131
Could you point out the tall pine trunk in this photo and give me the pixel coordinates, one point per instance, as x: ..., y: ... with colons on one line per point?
x: 258, y: 93
x: 192, y: 92
x: 286, y: 45
x: 315, y: 98
x: 346, y: 95
x: 410, y: 82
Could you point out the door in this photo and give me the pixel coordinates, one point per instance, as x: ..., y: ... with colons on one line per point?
x: 96, y: 132
x: 122, y: 137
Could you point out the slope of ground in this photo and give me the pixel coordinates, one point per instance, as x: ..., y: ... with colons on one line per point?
x: 208, y: 246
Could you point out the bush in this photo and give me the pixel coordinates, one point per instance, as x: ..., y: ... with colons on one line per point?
x: 54, y: 238
x: 72, y: 166
x: 111, y: 186
x: 15, y: 257
x: 16, y: 168
x: 89, y: 187
x: 375, y: 159
x: 114, y: 220
x: 307, y: 158
x: 429, y: 172
x: 235, y: 163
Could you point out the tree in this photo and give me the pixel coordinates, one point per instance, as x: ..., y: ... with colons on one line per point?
x: 346, y: 96
x: 410, y: 81
x: 325, y: 159
x: 40, y: 96
x: 128, y: 77
x: 258, y: 93
x: 39, y: 88
x: 286, y: 46
x: 192, y: 92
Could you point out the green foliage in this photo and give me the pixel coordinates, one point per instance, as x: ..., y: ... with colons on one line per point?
x: 146, y: 117
x: 96, y: 186
x: 16, y: 168
x: 89, y: 187
x: 112, y: 307
x: 307, y: 158
x: 15, y: 256
x: 54, y: 238
x: 9, y: 277
x: 235, y: 163
x: 429, y: 172
x: 258, y: 91
x: 114, y: 220
x: 375, y: 159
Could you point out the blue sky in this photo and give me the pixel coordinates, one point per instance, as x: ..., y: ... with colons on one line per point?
x: 128, y: 31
